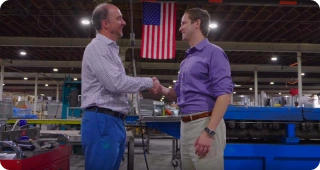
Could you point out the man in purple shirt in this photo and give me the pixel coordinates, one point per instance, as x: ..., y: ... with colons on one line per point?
x: 202, y: 92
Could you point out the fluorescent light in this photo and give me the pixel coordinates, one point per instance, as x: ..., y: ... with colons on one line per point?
x: 234, y: 92
x: 85, y: 22
x: 271, y: 82
x: 23, y: 53
x: 174, y: 81
x: 75, y: 79
x: 170, y: 87
x: 46, y: 84
x: 241, y: 95
x: 55, y: 69
x: 274, y: 58
x: 237, y: 85
x: 250, y: 88
x: 280, y: 93
x: 26, y: 78
x: 213, y: 25
x: 302, y: 74
x: 42, y: 94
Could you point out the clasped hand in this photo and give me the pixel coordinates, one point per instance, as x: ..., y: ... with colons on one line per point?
x: 157, y: 88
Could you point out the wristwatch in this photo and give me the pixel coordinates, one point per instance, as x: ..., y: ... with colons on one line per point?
x: 210, y: 132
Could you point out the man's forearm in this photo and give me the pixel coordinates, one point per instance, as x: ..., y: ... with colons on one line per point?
x: 169, y: 93
x: 219, y: 110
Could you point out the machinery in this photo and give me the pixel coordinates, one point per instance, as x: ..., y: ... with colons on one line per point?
x: 71, y: 98
x: 262, y: 138
x: 23, y: 147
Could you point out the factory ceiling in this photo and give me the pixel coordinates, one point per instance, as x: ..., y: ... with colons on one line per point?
x: 51, y: 33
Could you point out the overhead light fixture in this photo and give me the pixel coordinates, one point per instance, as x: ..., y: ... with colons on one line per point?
x: 3, y: 84
x: 42, y: 94
x: 241, y: 95
x: 302, y: 74
x: 26, y: 78
x: 85, y: 22
x: 170, y: 87
x: 23, y: 53
x: 237, y: 85
x: 250, y: 88
x: 47, y: 85
x: 274, y: 58
x: 271, y: 82
x: 280, y: 93
x: 174, y: 81
x: 234, y: 92
x: 213, y: 25
x: 55, y: 69
x: 75, y: 79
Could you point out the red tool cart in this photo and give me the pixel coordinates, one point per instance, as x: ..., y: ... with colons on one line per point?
x: 26, y: 149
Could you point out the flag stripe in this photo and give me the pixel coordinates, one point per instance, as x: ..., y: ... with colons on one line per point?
x: 174, y: 30
x: 155, y: 37
x: 158, y: 37
x: 170, y: 32
x: 166, y: 31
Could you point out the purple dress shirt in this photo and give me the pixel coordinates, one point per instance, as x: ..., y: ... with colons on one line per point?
x: 204, y: 75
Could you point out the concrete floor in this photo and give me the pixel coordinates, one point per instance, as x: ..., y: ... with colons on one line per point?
x: 159, y: 157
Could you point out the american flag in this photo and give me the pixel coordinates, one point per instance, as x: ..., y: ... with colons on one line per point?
x: 159, y: 30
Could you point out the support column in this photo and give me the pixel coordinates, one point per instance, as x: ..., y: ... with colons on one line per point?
x: 35, y: 94
x: 122, y: 54
x: 1, y: 82
x: 299, y: 74
x: 255, y: 88
x: 57, y: 95
x: 231, y: 99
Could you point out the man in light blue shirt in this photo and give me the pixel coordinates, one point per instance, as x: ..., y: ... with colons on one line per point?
x: 105, y: 86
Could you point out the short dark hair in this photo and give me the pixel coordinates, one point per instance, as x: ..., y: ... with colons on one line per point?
x: 203, y: 15
x: 99, y: 13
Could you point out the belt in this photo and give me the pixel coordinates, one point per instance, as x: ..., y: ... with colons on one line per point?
x: 107, y: 111
x: 188, y: 118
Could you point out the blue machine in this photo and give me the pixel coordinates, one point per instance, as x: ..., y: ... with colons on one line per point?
x: 265, y: 138
x: 70, y: 99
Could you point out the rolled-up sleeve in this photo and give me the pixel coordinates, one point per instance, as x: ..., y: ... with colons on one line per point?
x: 220, y: 73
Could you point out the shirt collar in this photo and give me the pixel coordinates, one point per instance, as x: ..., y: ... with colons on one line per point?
x: 200, y: 45
x: 105, y: 39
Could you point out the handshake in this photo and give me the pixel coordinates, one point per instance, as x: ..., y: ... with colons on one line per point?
x: 157, y: 87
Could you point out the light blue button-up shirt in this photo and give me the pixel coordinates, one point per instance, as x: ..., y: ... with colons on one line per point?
x: 104, y: 81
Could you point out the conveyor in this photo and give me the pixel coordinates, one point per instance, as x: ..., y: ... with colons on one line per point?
x: 263, y: 138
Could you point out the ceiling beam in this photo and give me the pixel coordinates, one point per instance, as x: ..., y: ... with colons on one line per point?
x: 51, y: 88
x: 39, y: 63
x: 32, y: 75
x: 160, y: 77
x: 32, y: 82
x: 154, y: 65
x: 276, y: 87
x: 300, y: 3
x: 180, y: 45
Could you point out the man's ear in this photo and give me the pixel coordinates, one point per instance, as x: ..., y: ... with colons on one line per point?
x: 198, y: 23
x: 104, y: 24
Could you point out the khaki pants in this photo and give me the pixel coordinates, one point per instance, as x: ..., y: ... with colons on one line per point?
x: 214, y: 160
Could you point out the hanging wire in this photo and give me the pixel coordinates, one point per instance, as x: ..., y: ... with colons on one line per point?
x: 54, y: 18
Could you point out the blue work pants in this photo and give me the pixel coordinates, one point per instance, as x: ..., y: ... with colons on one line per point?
x: 103, y: 139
